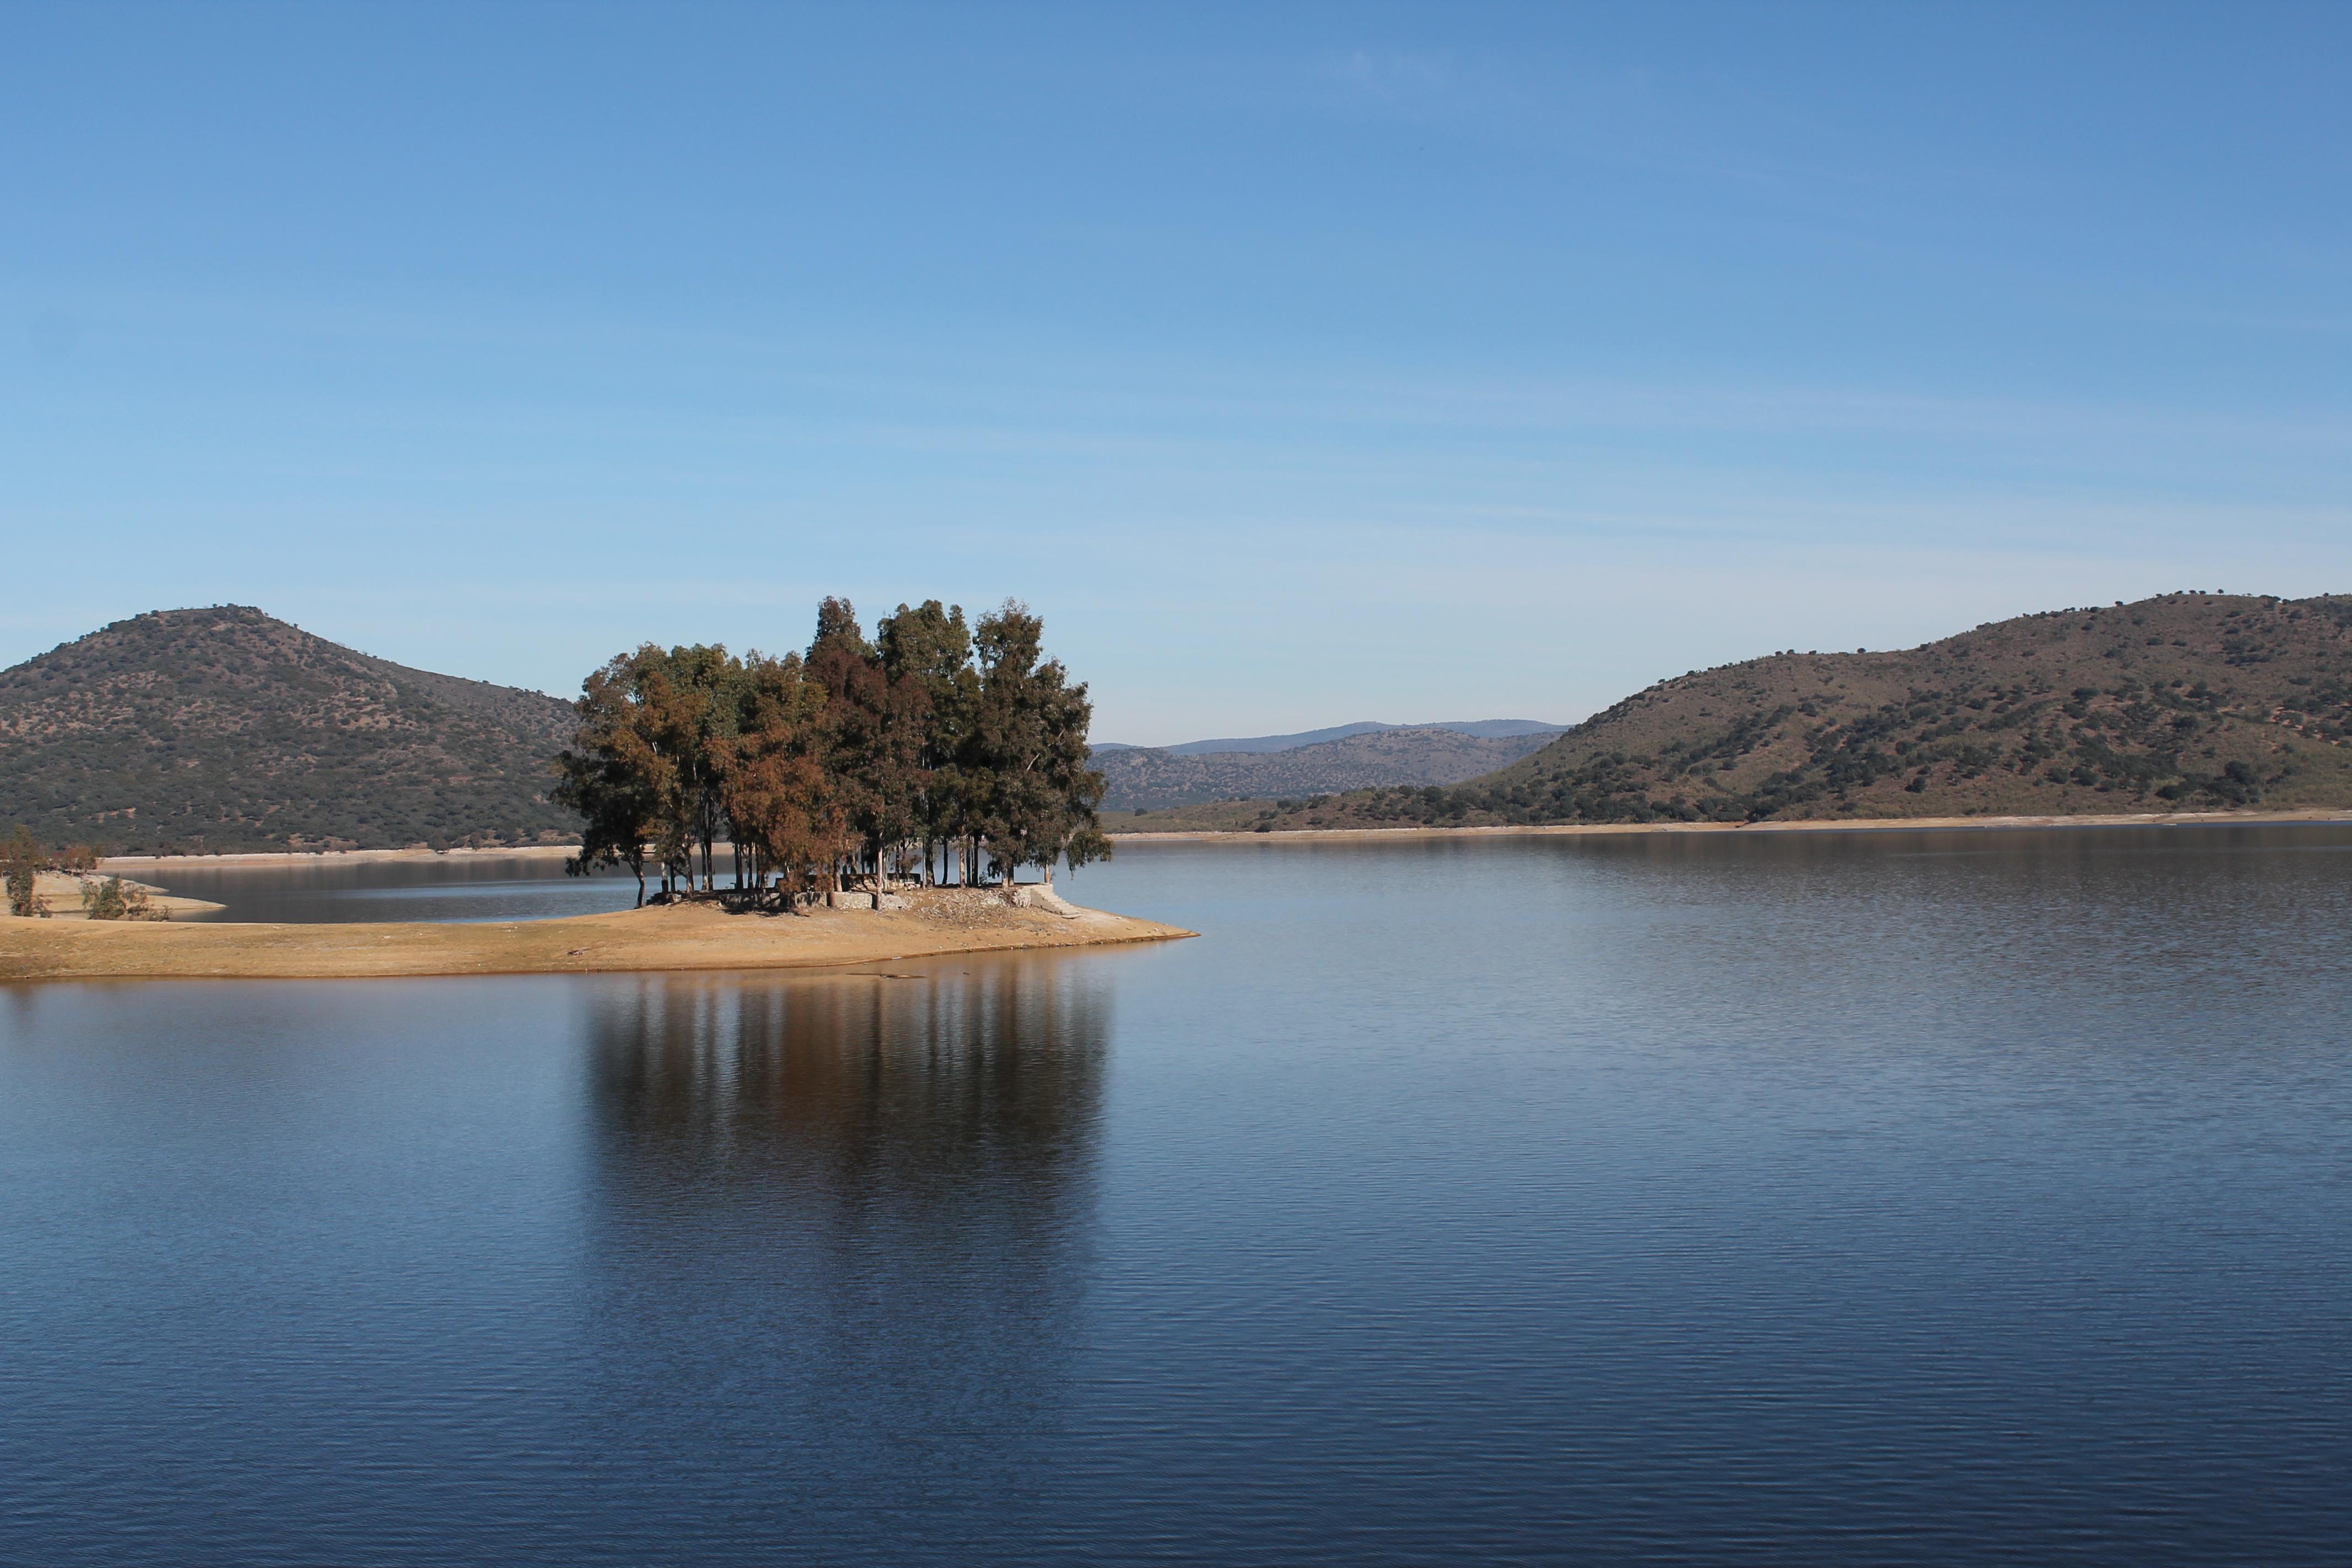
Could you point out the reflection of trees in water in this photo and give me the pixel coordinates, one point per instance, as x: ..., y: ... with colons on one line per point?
x: 846, y: 1206
x: 879, y: 1100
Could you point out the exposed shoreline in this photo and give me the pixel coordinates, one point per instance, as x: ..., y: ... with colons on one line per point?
x: 1833, y: 825
x: 1807, y: 825
x: 668, y: 938
x: 62, y: 892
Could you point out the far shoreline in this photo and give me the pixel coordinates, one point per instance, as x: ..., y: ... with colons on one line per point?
x: 319, y: 857
x: 2311, y: 815
x: 2307, y: 815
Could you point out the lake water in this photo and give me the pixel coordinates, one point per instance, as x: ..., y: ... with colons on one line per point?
x: 458, y: 887
x: 1936, y: 1198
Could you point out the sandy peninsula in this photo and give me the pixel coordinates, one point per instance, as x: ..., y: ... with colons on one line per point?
x: 694, y: 936
x: 62, y: 892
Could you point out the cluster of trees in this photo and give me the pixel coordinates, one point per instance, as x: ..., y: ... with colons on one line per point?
x: 933, y: 749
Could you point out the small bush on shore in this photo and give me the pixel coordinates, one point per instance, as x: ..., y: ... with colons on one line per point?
x: 114, y: 900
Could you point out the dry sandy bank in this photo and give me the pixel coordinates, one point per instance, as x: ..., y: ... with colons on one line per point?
x: 62, y: 892
x: 1849, y: 825
x: 680, y: 937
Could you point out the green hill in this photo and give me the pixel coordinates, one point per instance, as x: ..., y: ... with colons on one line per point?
x: 2189, y: 701
x: 224, y: 729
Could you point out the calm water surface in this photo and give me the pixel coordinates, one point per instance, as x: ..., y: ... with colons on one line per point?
x: 459, y: 888
x: 1962, y: 1197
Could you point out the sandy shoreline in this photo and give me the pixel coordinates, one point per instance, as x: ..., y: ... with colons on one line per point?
x: 62, y: 892
x: 678, y: 937
x: 1852, y: 825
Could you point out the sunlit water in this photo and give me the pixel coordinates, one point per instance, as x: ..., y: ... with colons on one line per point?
x: 1914, y: 1198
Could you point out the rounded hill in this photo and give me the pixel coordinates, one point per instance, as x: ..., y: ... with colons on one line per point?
x: 226, y: 729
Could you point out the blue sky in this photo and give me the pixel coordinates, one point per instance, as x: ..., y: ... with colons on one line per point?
x: 1298, y: 364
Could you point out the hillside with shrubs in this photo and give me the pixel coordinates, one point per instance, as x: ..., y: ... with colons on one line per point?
x: 225, y: 729
x: 2188, y: 701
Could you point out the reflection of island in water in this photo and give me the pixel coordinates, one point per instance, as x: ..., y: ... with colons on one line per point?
x: 846, y: 1208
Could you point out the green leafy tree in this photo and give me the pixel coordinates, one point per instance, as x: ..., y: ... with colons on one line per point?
x: 614, y: 775
x: 1029, y: 749
x: 112, y: 898
x: 879, y: 728
x: 932, y: 647
x: 695, y: 695
x: 24, y: 861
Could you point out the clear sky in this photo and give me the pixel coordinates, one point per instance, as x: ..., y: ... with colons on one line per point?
x: 1298, y: 364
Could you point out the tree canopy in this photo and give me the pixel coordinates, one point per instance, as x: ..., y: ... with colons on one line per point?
x: 932, y: 741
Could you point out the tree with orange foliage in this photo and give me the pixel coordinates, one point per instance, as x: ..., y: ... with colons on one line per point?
x: 779, y: 798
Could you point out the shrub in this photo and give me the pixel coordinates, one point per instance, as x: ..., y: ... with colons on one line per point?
x: 113, y: 900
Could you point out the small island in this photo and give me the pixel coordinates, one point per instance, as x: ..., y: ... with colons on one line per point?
x: 686, y: 935
x: 872, y: 800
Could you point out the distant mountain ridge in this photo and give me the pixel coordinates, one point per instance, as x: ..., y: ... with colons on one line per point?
x: 1482, y: 728
x: 1146, y: 778
x: 2186, y: 701
x: 225, y: 729
x: 229, y: 728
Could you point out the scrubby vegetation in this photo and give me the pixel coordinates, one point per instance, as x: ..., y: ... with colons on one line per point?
x: 2189, y: 701
x: 22, y: 860
x: 224, y: 729
x: 112, y: 898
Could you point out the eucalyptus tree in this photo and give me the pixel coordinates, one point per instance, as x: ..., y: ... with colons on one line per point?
x: 616, y: 774
x: 774, y: 784
x: 697, y: 698
x: 879, y: 723
x: 931, y: 647
x: 641, y: 771
x: 1029, y: 750
x: 849, y: 755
